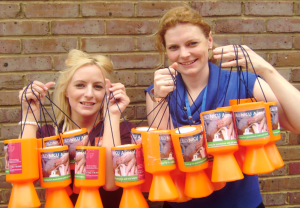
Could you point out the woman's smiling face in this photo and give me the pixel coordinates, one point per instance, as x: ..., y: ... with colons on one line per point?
x: 86, y: 91
x: 187, y: 45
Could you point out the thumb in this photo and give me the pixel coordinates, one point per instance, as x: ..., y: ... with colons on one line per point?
x: 49, y: 84
x: 107, y: 86
x: 174, y: 65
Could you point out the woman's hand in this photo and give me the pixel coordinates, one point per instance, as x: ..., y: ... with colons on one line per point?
x: 163, y: 81
x: 118, y: 99
x: 31, y: 95
x: 260, y: 65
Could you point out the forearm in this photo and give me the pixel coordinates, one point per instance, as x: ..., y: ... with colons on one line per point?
x: 160, y: 114
x: 110, y: 128
x: 287, y: 98
x: 28, y: 130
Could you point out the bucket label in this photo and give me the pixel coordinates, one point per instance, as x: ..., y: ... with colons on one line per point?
x: 219, y: 129
x: 13, y: 158
x: 136, y: 138
x: 251, y: 124
x: 87, y: 164
x: 73, y: 142
x: 166, y: 149
x: 193, y: 150
x: 52, y: 142
x: 55, y: 166
x: 128, y: 165
x: 275, y: 120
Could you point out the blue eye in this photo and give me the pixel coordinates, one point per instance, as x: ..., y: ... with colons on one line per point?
x: 173, y: 47
x: 193, y: 43
x: 79, y: 85
x: 99, y: 87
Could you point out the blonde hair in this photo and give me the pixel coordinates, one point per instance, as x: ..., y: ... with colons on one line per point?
x: 75, y: 60
x: 179, y: 15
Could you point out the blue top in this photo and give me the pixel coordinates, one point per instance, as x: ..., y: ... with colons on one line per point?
x: 244, y: 193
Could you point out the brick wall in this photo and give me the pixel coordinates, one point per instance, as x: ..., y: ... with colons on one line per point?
x: 35, y: 37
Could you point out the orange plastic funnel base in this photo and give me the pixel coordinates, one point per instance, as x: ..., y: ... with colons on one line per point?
x: 132, y: 197
x: 179, y: 180
x: 23, y: 195
x: 217, y: 185
x: 198, y: 185
x: 274, y: 155
x: 162, y: 188
x: 89, y: 197
x: 257, y: 161
x: 58, y: 197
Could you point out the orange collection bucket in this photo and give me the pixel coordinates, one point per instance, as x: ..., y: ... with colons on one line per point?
x: 21, y: 169
x: 129, y: 174
x: 189, y: 147
x: 274, y: 130
x: 241, y: 101
x: 178, y: 178
x: 221, y: 143
x: 89, y: 175
x: 208, y: 171
x: 159, y: 161
x: 252, y: 129
x: 52, y: 141
x: 140, y: 134
x: 55, y: 175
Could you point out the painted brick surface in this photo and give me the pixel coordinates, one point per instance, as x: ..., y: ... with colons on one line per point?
x: 36, y: 36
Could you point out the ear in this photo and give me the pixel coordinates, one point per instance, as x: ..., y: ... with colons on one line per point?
x: 66, y: 94
x: 210, y: 40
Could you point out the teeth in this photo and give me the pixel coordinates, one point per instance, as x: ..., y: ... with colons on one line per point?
x: 87, y: 103
x: 188, y: 63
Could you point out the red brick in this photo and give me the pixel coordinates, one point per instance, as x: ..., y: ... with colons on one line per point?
x: 274, y: 199
x: 136, y: 95
x: 294, y: 197
x: 240, y: 26
x: 145, y: 79
x: 128, y: 114
x: 10, y: 115
x: 51, y: 10
x: 218, y: 8
x: 283, y: 25
x: 53, y: 45
x: 283, y: 139
x: 269, y: 42
x: 127, y: 78
x: 24, y: 28
x: 155, y: 9
x: 10, y: 46
x: 43, y: 77
x: 279, y: 184
x: 269, y: 8
x: 131, y: 27
x: 9, y: 64
x: 227, y: 40
x: 141, y: 112
x: 90, y: 27
x: 296, y: 75
x: 297, y: 86
x: 294, y: 168
x: 294, y: 139
x: 135, y: 61
x: 298, y: 8
x: 1, y: 153
x: 11, y: 82
x: 2, y: 164
x: 286, y: 73
x: 285, y: 59
x: 297, y: 42
x: 5, y: 195
x: 107, y: 44
x: 3, y: 183
x: 277, y: 172
x: 9, y: 10
x: 146, y: 43
x: 9, y: 131
x: 289, y: 153
x: 92, y: 9
x: 9, y: 98
x: 142, y: 123
x: 59, y: 62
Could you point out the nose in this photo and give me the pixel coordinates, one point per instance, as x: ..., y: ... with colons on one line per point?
x: 184, y: 52
x: 89, y: 93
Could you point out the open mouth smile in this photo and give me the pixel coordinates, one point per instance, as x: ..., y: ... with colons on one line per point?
x: 87, y: 104
x: 188, y: 63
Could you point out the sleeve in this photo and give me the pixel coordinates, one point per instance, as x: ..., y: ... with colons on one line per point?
x: 125, y: 132
x: 47, y: 130
x: 148, y: 89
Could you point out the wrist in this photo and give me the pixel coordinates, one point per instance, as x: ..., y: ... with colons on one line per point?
x: 154, y: 98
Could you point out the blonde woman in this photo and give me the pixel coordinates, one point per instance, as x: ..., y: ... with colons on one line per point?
x: 79, y: 92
